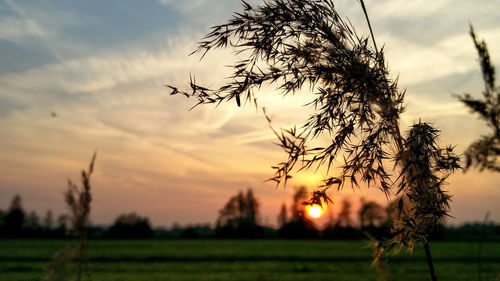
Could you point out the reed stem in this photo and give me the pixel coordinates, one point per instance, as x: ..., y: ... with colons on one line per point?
x: 429, y: 261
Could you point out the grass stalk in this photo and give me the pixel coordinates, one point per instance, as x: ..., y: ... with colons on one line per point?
x: 369, y: 24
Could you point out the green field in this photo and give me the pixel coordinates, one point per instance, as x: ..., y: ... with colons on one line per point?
x: 247, y: 260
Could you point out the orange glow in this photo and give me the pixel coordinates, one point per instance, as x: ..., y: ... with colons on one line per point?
x: 314, y: 211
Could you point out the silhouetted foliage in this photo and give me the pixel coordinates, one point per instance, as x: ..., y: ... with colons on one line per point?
x: 48, y: 220
x: 130, y: 226
x: 484, y: 153
x: 282, y: 217
x: 374, y: 220
x: 304, y: 45
x: 48, y: 225
x: 476, y: 231
x: 17, y: 223
x: 344, y: 216
x: 299, y: 226
x: 190, y: 233
x: 202, y: 231
x: 371, y: 214
x: 14, y: 219
x: 342, y: 227
x: 2, y: 218
x: 32, y: 227
x: 61, y: 226
x: 239, y: 217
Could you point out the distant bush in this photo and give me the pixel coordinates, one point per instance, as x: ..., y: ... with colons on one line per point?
x: 130, y: 226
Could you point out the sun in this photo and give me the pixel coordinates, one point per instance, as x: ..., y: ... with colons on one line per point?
x: 314, y: 211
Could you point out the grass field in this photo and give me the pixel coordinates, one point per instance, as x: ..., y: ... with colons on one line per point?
x: 247, y: 260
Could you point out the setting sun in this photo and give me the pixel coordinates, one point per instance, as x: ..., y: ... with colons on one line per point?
x: 314, y: 211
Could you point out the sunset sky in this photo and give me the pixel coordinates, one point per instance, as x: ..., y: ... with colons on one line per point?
x: 101, y: 67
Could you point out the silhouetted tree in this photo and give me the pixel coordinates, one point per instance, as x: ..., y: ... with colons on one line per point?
x: 239, y: 217
x: 485, y: 152
x: 61, y: 226
x: 282, y: 217
x: 32, y: 225
x: 48, y: 223
x: 342, y: 227
x: 48, y: 220
x: 130, y: 226
x: 374, y: 220
x: 2, y: 218
x: 14, y: 219
x: 190, y: 233
x: 371, y: 214
x: 329, y: 229
x: 298, y: 208
x: 344, y: 216
x: 304, y: 45
x: 299, y: 225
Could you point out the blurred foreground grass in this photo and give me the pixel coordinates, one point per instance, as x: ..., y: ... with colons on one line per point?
x: 251, y: 260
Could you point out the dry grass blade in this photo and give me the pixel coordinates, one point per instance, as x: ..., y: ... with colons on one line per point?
x: 484, y: 153
x: 78, y: 200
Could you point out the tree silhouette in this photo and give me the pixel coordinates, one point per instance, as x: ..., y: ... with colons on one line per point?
x: 14, y: 220
x: 239, y: 217
x: 344, y: 216
x: 342, y: 227
x: 299, y: 225
x: 32, y: 225
x: 373, y: 220
x: 48, y: 220
x: 298, y: 209
x: 130, y: 226
x: 305, y: 46
x: 2, y: 218
x: 282, y: 216
x: 484, y: 153
x: 61, y: 227
x: 371, y: 214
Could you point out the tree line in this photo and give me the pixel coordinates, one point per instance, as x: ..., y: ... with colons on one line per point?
x: 239, y: 218
x: 16, y: 222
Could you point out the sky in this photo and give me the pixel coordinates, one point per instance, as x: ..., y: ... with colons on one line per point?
x: 101, y: 67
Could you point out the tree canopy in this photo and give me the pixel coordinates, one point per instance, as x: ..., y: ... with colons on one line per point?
x: 239, y: 217
x: 130, y: 226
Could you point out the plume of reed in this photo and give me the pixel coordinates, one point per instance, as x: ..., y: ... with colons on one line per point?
x: 484, y: 153
x: 305, y: 46
x: 78, y: 200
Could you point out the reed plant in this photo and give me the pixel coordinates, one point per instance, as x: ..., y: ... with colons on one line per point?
x: 78, y: 200
x: 304, y: 46
x: 484, y: 153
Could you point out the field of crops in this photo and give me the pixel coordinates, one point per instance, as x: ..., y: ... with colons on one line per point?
x: 247, y: 260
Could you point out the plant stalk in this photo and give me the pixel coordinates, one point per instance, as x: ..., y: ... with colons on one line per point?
x: 369, y: 24
x: 429, y: 261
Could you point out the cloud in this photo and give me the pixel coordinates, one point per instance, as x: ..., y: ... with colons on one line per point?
x: 17, y: 25
x: 183, y: 6
x: 14, y: 29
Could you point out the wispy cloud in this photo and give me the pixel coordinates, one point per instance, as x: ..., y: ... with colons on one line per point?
x: 17, y: 24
